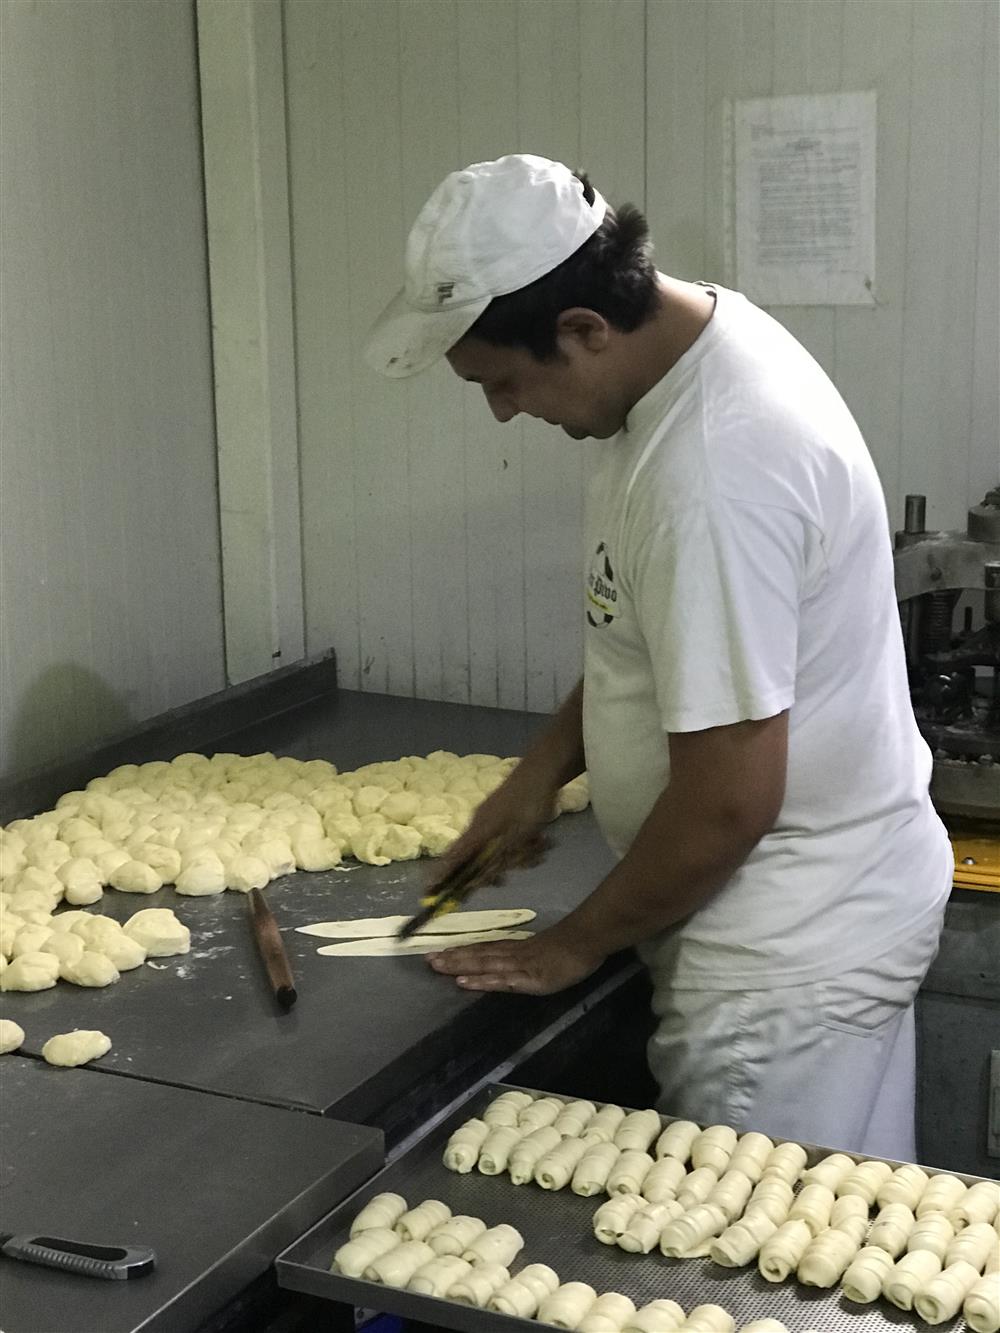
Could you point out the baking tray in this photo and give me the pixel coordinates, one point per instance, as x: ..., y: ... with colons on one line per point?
x: 557, y: 1231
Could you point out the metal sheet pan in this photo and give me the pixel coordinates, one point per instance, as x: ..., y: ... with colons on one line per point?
x: 557, y: 1231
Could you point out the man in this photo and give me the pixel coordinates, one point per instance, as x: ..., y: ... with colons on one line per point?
x: 744, y: 712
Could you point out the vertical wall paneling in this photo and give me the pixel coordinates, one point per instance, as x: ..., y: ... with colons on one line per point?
x: 941, y: 241
x: 489, y: 93
x: 550, y: 85
x: 869, y: 356
x: 434, y: 506
x: 984, y: 439
x: 807, y: 54
x: 110, y: 605
x: 324, y: 223
x: 370, y: 71
x: 243, y: 122
x: 676, y: 124
x: 441, y: 549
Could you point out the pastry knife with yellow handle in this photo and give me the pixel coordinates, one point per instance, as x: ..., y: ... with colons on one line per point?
x: 452, y: 891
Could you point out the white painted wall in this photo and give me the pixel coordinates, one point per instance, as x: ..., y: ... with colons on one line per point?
x: 110, y: 605
x: 442, y: 551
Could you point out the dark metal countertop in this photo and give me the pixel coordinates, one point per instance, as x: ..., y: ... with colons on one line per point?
x: 366, y: 1034
x: 217, y: 1187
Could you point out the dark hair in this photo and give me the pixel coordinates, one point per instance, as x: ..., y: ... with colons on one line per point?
x: 612, y: 274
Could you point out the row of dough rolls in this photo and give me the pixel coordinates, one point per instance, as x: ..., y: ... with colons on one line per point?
x: 666, y: 1192
x: 433, y: 1252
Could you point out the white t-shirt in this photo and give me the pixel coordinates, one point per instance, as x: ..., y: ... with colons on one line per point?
x: 738, y: 564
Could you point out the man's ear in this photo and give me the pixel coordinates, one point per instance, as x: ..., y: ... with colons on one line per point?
x: 586, y: 328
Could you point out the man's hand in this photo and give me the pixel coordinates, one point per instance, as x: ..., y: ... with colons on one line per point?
x: 513, y: 816
x: 548, y: 963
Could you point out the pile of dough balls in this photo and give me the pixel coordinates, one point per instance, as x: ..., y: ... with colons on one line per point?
x: 923, y: 1241
x: 67, y: 1049
x: 239, y: 821
x: 82, y: 947
x: 433, y: 1252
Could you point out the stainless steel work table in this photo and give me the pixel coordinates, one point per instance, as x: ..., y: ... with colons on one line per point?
x: 216, y: 1187
x: 378, y: 1041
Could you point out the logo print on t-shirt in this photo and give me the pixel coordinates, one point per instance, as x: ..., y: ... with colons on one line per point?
x: 602, y: 595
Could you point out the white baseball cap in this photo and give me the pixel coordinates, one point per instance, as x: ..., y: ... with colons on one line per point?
x: 488, y: 230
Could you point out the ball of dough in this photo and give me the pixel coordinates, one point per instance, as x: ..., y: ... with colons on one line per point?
x: 30, y: 939
x: 76, y: 1048
x: 202, y: 877
x: 247, y: 872
x: 68, y: 920
x: 124, y: 953
x: 47, y: 855
x: 135, y: 877
x: 96, y: 931
x: 159, y: 932
x: 66, y: 946
x: 166, y: 861
x: 90, y: 969
x: 108, y: 862
x: 11, y: 1036
x: 316, y: 853
x: 32, y: 971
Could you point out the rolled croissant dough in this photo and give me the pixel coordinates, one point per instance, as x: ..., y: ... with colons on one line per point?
x: 453, y: 923
x: 417, y: 944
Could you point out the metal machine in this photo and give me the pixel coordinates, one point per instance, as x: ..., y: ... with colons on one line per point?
x: 948, y: 588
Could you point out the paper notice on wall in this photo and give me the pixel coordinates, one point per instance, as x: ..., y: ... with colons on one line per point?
x: 805, y: 199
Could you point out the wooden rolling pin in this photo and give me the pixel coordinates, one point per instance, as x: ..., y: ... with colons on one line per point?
x: 272, y: 949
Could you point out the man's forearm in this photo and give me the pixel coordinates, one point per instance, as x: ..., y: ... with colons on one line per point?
x: 683, y: 854
x: 556, y: 756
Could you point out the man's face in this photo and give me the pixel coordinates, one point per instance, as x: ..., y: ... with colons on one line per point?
x: 565, y: 391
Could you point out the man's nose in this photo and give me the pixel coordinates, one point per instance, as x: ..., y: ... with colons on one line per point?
x: 502, y: 407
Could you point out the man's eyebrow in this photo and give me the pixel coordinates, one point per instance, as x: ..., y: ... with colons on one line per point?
x: 472, y: 379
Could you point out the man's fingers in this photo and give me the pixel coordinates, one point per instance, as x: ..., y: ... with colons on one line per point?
x: 512, y: 982
x: 477, y: 959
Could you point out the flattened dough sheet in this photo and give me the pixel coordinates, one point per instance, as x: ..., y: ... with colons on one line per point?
x: 382, y: 948
x: 453, y: 923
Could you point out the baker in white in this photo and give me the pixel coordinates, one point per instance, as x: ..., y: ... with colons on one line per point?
x: 744, y: 712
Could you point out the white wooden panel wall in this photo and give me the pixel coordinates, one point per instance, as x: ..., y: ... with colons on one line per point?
x: 109, y: 540
x: 919, y: 370
x: 442, y: 551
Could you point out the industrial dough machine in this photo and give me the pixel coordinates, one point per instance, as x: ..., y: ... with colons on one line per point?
x: 948, y: 589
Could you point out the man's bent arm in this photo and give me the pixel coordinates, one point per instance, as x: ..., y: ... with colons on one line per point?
x: 725, y: 792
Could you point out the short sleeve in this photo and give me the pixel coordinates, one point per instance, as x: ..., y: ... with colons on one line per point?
x: 717, y: 593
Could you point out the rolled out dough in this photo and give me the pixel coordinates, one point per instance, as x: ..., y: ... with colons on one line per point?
x: 454, y: 923
x: 417, y: 944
